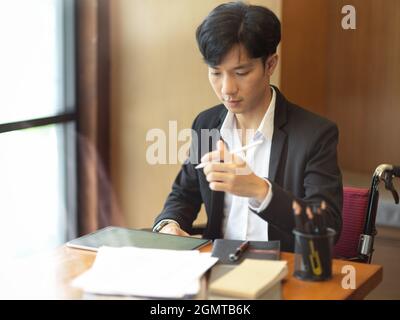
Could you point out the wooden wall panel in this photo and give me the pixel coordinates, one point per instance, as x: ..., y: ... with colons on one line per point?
x: 364, y: 83
x: 304, y: 53
x: 349, y: 76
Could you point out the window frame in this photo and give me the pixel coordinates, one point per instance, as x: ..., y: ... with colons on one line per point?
x: 67, y: 12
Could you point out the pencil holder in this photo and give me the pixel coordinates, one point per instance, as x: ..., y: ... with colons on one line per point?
x: 313, y: 255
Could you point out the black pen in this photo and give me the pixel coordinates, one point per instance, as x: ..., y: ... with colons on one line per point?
x: 317, y: 219
x: 323, y: 217
x: 239, y: 251
x: 310, y: 228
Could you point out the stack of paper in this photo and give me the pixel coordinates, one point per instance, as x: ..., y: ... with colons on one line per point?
x: 250, y: 280
x: 145, y: 272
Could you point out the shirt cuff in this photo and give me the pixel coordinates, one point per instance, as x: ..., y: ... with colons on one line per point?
x: 162, y: 221
x: 257, y: 206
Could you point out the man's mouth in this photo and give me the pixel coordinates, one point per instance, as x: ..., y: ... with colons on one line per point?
x: 232, y: 103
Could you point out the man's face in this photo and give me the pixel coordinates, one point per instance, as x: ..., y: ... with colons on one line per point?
x: 240, y: 82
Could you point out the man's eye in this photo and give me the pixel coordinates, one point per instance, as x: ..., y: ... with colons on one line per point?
x: 242, y: 73
x: 215, y: 73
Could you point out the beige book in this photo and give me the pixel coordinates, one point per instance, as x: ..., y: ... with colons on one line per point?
x: 273, y: 293
x: 250, y: 279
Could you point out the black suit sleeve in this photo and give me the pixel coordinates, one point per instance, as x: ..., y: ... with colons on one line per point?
x: 184, y: 201
x: 322, y: 181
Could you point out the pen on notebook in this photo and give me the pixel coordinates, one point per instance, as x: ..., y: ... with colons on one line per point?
x: 239, y: 251
x: 248, y: 146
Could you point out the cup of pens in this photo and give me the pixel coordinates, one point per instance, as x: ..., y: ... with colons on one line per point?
x: 313, y: 244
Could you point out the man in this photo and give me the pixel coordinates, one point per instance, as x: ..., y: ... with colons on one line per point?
x: 250, y: 196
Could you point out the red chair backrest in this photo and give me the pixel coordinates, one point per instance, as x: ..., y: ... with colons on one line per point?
x: 355, y: 202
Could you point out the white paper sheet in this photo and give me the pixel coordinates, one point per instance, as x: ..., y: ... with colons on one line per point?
x: 145, y: 272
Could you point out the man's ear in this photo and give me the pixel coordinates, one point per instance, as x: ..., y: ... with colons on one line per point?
x: 271, y: 63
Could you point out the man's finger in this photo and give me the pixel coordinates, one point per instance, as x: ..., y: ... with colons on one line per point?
x: 170, y: 230
x: 184, y: 234
x: 216, y: 155
x: 219, y: 177
x: 219, y: 186
x: 218, y: 167
x: 173, y: 228
x: 220, y: 145
x: 237, y: 159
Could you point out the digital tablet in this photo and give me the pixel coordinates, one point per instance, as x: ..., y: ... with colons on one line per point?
x: 124, y: 237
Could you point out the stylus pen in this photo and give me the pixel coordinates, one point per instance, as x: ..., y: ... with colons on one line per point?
x: 248, y: 146
x: 239, y: 251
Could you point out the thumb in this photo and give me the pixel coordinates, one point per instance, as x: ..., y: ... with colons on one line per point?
x: 220, y: 145
x: 221, y: 149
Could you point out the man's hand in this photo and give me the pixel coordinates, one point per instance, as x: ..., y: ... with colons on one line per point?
x: 173, y: 228
x: 233, y: 175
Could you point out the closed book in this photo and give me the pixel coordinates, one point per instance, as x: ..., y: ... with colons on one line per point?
x: 249, y: 280
x: 273, y: 293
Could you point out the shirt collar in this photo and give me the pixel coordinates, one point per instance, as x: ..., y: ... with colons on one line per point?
x: 265, y: 128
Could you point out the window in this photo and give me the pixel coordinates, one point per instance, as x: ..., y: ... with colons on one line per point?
x: 37, y: 125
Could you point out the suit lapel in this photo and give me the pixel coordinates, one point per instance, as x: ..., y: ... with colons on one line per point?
x: 214, y: 230
x: 279, y: 136
x: 278, y: 141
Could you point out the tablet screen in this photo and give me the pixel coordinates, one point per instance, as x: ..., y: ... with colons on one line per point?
x: 123, y: 237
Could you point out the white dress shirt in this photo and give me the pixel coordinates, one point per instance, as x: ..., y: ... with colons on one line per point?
x: 240, y: 222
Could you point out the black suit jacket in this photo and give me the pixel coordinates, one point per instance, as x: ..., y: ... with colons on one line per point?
x: 303, y: 166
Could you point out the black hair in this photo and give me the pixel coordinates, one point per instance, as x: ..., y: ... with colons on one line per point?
x: 256, y: 28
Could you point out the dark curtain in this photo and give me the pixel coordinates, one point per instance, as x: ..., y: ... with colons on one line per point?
x: 97, y: 205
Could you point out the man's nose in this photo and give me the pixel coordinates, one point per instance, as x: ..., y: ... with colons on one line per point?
x: 229, y: 86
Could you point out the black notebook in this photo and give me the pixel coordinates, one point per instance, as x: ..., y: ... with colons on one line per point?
x: 123, y: 237
x: 222, y: 248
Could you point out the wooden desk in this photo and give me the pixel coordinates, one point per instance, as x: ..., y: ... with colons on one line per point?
x: 50, y: 276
